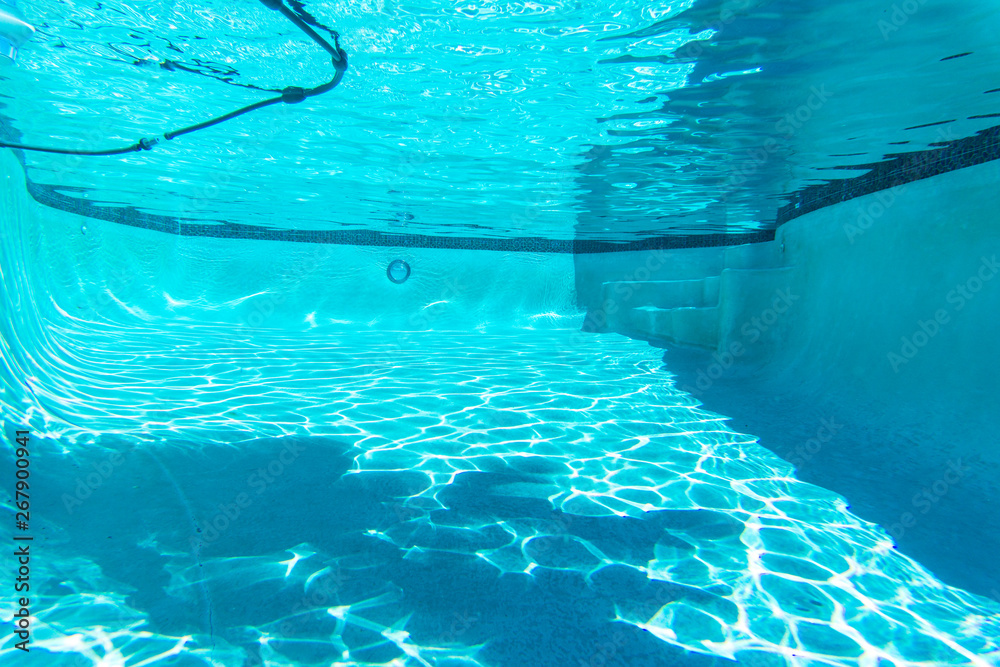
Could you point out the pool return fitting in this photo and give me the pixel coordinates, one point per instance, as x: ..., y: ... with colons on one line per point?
x: 290, y: 95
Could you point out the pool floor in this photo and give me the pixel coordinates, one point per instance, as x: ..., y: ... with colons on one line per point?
x: 532, y: 497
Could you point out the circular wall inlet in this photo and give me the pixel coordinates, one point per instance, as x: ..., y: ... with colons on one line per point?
x: 398, y: 271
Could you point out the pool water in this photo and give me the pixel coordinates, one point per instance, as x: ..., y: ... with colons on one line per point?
x: 565, y: 120
x: 253, y: 444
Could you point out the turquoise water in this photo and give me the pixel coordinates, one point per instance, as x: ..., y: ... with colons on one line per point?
x: 253, y: 452
x: 558, y: 116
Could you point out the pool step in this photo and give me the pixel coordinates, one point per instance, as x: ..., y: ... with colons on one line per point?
x: 685, y: 325
x: 662, y: 293
x: 712, y: 312
x: 684, y: 311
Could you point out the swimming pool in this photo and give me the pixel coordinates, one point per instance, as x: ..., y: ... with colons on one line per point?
x: 367, y: 380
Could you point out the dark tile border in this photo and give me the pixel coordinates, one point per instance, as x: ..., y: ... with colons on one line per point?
x: 54, y: 197
x: 50, y: 196
x: 900, y: 168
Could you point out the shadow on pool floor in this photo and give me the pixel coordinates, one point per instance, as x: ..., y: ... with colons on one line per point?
x: 148, y: 527
x: 949, y: 491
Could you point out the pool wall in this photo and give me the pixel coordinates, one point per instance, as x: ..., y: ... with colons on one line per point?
x: 890, y: 298
x: 66, y: 277
x: 899, y: 295
x: 96, y: 269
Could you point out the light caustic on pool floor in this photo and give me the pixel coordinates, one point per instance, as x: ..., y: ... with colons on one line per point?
x: 404, y: 489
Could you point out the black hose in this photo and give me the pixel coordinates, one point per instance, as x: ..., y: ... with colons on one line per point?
x: 303, y: 26
x: 141, y: 145
x: 222, y: 119
x: 290, y: 95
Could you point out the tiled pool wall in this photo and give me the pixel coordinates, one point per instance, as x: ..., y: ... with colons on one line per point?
x: 99, y: 270
x: 896, y: 172
x: 129, y: 216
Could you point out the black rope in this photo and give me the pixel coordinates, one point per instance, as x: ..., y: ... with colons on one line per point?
x: 290, y: 95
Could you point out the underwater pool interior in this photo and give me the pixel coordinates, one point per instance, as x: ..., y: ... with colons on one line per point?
x: 505, y: 334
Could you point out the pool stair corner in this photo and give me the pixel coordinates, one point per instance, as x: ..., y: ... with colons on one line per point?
x: 707, y: 312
